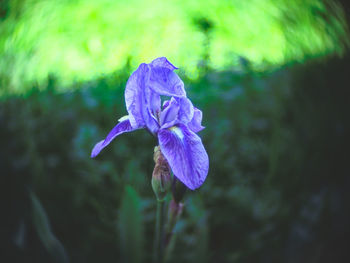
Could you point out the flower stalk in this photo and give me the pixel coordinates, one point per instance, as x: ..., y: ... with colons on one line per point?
x: 158, y: 253
x: 174, y: 213
x: 175, y: 210
x: 161, y: 183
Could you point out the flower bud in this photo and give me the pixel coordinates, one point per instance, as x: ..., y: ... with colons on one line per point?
x: 161, y: 177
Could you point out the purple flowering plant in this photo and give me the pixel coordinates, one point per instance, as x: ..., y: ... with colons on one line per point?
x: 174, y: 122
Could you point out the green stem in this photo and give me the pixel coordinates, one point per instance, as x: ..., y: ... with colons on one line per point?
x: 175, y: 210
x: 158, y: 254
x: 169, y: 247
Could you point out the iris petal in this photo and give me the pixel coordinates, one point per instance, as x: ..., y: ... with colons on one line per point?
x: 169, y: 115
x: 123, y: 126
x: 185, y: 154
x: 186, y: 109
x: 141, y: 102
x: 163, y: 62
x: 177, y: 110
x: 163, y: 80
x: 133, y: 95
x: 196, y: 123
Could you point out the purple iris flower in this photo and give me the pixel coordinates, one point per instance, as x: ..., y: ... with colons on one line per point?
x: 175, y: 122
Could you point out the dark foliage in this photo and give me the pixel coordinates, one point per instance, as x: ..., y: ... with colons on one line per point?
x: 277, y: 189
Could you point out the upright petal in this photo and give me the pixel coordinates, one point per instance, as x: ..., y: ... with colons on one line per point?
x: 165, y: 104
x: 185, y: 154
x: 196, y: 123
x: 169, y: 115
x: 121, y: 127
x: 141, y: 102
x: 152, y: 111
x: 177, y: 110
x: 163, y: 80
x: 163, y: 62
x: 134, y: 96
x: 186, y: 109
x: 154, y: 102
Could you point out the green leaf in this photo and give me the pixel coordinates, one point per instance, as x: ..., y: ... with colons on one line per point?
x: 42, y: 226
x: 131, y: 227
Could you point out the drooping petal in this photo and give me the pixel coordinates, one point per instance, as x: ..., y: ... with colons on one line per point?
x: 121, y: 127
x: 196, y: 123
x: 163, y: 80
x: 141, y: 102
x: 185, y: 154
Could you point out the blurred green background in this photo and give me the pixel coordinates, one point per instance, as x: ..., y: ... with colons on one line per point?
x: 271, y: 78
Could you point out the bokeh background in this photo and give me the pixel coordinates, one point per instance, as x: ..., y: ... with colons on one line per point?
x: 272, y: 80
